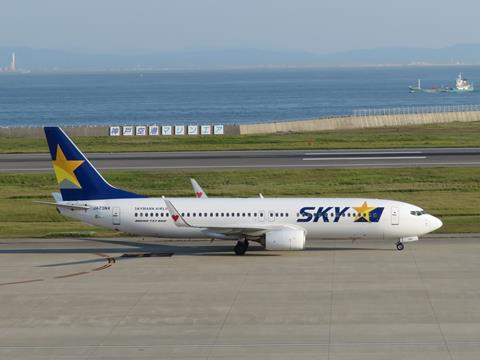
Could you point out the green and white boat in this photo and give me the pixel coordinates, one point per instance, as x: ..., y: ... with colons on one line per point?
x: 461, y: 85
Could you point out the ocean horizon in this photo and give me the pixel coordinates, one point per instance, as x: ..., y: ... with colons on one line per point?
x: 220, y: 96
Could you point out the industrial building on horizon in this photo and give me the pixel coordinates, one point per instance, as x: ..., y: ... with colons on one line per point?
x: 13, y: 66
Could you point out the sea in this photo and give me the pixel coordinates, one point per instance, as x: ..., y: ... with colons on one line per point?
x: 221, y: 96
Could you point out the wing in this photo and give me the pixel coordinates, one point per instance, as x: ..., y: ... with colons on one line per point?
x: 232, y: 231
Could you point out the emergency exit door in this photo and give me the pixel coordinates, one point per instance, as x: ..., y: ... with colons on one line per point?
x: 116, y: 216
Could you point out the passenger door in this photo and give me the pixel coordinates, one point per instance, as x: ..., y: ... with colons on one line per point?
x: 395, y: 215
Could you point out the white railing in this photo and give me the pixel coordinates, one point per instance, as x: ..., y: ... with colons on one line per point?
x: 415, y: 110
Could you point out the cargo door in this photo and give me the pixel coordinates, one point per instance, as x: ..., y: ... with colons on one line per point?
x: 395, y: 216
x: 116, y: 216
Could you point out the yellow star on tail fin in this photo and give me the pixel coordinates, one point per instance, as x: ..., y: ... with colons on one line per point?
x: 64, y: 169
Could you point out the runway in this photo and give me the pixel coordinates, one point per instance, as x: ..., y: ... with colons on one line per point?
x: 212, y: 160
x: 148, y: 299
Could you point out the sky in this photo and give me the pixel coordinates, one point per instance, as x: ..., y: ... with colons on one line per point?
x: 317, y: 26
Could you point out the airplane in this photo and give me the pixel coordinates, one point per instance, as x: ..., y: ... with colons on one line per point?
x: 275, y: 223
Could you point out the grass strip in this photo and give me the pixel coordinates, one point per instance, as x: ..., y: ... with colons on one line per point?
x: 453, y: 194
x: 456, y: 134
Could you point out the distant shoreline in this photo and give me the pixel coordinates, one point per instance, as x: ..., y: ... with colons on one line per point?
x: 228, y: 68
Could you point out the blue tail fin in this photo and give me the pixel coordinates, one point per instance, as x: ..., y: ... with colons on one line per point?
x: 76, y: 176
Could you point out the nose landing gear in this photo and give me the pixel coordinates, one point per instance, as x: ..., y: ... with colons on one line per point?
x: 400, y: 246
x: 241, y: 247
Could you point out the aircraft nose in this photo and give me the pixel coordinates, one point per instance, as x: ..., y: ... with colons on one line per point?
x: 435, y: 223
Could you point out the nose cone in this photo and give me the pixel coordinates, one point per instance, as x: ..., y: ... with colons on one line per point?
x: 435, y: 223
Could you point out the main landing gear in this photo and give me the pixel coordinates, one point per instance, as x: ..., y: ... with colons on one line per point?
x: 400, y: 246
x: 241, y: 247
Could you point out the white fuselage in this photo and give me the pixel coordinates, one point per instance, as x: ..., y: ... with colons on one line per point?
x: 321, y: 218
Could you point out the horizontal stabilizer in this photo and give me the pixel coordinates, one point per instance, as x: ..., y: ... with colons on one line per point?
x: 67, y: 206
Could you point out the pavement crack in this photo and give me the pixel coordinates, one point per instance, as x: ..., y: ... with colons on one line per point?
x: 234, y: 300
x: 429, y: 299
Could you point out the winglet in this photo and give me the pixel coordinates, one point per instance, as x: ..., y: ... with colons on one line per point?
x: 199, y: 193
x: 177, y: 218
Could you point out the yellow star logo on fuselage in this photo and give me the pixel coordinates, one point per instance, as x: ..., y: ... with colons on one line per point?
x: 363, y: 212
x: 64, y: 169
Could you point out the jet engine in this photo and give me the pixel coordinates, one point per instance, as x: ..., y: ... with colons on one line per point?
x: 285, y: 239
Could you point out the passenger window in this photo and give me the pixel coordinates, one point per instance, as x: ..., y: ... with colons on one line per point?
x: 243, y: 214
x: 211, y: 214
x: 223, y: 214
x: 249, y: 214
x: 199, y: 214
x: 188, y: 214
x: 254, y: 214
x: 136, y: 214
x: 286, y: 214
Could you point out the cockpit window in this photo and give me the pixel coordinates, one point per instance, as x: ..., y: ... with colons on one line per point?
x: 417, y: 212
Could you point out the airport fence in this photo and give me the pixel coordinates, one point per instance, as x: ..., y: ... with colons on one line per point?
x: 409, y: 110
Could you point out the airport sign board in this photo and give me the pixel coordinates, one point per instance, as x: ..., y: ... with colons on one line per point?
x: 141, y: 130
x: 166, y: 130
x: 205, y: 129
x: 127, y: 130
x: 153, y: 130
x: 179, y: 130
x: 218, y: 130
x: 192, y: 130
x: 115, y: 131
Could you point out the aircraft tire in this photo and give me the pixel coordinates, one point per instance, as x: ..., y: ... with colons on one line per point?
x: 241, y: 247
x: 400, y: 246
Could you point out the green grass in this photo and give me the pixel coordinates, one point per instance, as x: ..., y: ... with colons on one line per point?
x: 435, y: 135
x: 453, y: 194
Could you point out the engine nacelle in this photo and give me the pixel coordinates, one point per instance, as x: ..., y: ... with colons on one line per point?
x: 285, y: 239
